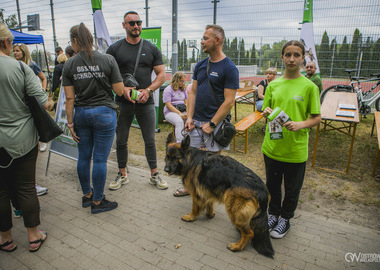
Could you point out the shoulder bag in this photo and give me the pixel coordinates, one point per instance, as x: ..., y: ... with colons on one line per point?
x: 46, y: 126
x: 181, y: 107
x: 227, y: 130
x: 129, y: 79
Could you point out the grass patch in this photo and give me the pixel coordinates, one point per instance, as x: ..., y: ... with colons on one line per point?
x: 333, y: 148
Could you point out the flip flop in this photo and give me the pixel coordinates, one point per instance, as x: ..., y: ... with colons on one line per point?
x: 14, y: 247
x: 180, y: 193
x: 41, y: 241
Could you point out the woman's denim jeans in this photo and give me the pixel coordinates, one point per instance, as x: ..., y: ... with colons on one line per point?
x: 95, y: 127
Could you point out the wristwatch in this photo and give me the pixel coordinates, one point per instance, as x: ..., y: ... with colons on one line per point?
x: 212, y: 124
x: 150, y: 90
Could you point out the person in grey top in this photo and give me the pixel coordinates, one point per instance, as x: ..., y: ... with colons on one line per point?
x: 18, y: 146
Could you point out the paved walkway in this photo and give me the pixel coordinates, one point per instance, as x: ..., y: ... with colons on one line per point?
x: 143, y: 231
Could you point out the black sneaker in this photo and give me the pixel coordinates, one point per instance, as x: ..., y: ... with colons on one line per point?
x: 282, y: 228
x: 103, y: 206
x: 86, y: 202
x: 272, y: 221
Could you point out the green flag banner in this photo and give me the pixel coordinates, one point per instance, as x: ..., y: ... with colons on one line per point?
x: 307, y: 35
x: 308, y: 11
x: 96, y: 5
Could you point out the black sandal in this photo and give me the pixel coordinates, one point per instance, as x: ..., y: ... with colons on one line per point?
x: 41, y: 241
x: 7, y: 244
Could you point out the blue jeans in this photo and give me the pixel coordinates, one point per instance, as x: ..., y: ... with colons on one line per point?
x: 95, y: 127
x: 259, y: 105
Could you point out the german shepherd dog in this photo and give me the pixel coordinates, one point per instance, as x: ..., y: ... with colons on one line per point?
x: 210, y: 178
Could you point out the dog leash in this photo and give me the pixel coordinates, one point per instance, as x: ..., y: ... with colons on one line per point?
x: 201, y: 133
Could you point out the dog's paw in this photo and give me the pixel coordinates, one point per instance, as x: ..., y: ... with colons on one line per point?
x: 188, y: 218
x: 210, y: 215
x: 233, y: 247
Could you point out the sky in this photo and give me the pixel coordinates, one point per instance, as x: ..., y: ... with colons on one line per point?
x: 255, y: 21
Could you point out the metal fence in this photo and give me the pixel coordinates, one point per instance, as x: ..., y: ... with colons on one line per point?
x: 346, y: 33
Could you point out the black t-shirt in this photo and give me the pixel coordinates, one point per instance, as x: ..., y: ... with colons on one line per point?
x: 125, y: 55
x: 57, y: 76
x: 264, y: 83
x: 88, y: 90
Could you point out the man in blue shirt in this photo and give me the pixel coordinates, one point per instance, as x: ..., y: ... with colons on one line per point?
x: 205, y: 114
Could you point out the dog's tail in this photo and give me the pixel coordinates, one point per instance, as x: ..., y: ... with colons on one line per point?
x: 261, y: 240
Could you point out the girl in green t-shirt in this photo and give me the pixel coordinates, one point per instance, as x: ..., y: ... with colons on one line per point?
x: 285, y: 153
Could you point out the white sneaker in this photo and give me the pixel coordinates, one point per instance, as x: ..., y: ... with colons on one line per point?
x: 41, y: 190
x: 158, y: 182
x: 118, y: 182
x: 43, y: 146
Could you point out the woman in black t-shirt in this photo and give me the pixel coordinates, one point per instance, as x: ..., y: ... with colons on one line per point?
x: 271, y: 75
x: 88, y: 79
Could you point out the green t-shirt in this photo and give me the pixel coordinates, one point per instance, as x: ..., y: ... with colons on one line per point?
x: 298, y: 98
x: 316, y: 79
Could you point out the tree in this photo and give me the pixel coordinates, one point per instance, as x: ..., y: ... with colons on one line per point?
x: 234, y: 50
x: 252, y: 60
x: 241, y: 53
x: 192, y: 59
x: 354, y: 50
x: 262, y: 61
x: 324, y: 55
x: 179, y: 55
x: 272, y: 57
x: 366, y: 59
x: 226, y: 47
x: 375, y: 62
x: 10, y: 21
x: 342, y: 57
x: 184, y: 50
x: 334, y: 54
x: 247, y: 57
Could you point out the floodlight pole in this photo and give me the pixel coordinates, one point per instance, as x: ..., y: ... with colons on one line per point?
x: 174, y: 36
x: 215, y: 6
x: 146, y: 13
x: 53, y: 23
x: 362, y: 47
x: 19, y: 16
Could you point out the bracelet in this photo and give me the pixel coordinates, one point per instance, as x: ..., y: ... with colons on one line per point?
x: 70, y: 125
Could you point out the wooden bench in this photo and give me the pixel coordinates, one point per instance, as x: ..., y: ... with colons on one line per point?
x: 246, y: 84
x: 173, y: 128
x: 377, y: 120
x: 243, y: 125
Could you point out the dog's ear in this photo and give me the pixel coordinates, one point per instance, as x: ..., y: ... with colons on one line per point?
x: 185, y: 144
x: 170, y: 138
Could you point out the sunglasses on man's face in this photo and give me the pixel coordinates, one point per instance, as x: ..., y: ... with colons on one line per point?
x: 132, y: 23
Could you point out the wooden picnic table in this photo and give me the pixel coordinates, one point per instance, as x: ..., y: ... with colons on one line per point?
x: 376, y: 120
x: 345, y: 125
x: 245, y: 96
